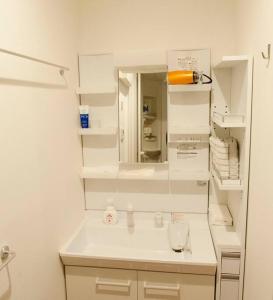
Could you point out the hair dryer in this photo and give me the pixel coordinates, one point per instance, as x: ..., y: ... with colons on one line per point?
x: 187, y: 77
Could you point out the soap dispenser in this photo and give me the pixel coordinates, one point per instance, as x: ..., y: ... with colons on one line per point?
x: 110, y: 215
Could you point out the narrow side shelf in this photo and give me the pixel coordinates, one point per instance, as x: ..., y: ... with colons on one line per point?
x: 189, y: 88
x: 225, y: 237
x: 228, y: 121
x: 96, y: 90
x: 98, y: 131
x: 231, y: 61
x: 225, y: 186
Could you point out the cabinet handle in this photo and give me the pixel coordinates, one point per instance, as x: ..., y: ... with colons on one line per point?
x: 161, y: 287
x: 231, y: 254
x: 100, y: 281
x: 230, y: 277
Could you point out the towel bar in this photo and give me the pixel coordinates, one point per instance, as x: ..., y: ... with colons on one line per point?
x: 41, y: 61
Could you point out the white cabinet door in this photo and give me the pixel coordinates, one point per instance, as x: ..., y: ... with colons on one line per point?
x: 83, y: 283
x: 153, y: 286
x: 229, y: 287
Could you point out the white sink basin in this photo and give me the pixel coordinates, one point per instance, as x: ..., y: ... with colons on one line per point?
x: 96, y: 243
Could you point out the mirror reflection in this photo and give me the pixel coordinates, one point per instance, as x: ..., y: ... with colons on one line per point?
x: 143, y: 117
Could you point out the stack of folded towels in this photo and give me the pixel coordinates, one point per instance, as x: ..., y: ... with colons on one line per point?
x: 225, y: 158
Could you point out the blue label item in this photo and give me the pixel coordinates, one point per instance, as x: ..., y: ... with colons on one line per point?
x: 84, y: 120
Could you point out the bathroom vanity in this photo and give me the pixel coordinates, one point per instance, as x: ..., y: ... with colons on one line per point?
x: 118, y: 262
x: 148, y: 148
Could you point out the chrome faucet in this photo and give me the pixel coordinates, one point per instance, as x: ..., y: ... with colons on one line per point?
x: 130, y: 216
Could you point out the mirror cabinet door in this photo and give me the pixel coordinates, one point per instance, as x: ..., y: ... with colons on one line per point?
x: 143, y: 117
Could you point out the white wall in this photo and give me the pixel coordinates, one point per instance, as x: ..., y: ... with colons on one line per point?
x: 41, y: 199
x: 130, y: 25
x: 140, y: 32
x: 254, y: 32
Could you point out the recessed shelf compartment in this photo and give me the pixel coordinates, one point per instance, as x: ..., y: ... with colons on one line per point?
x: 102, y: 172
x: 231, y: 61
x: 227, y: 184
x: 98, y: 131
x: 189, y: 175
x: 175, y: 130
x: 229, y: 120
x: 96, y: 90
x: 181, y: 88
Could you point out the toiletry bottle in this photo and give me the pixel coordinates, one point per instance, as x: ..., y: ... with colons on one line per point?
x: 84, y: 116
x: 110, y: 214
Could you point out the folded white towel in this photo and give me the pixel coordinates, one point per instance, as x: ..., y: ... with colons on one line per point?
x: 225, y: 157
x: 218, y: 142
x: 221, y: 175
x: 222, y: 168
x: 220, y: 151
x: 220, y: 162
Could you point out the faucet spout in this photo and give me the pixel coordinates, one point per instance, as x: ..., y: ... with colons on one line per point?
x: 130, y: 216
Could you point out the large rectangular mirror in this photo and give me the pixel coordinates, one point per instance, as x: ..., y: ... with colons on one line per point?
x: 143, y: 116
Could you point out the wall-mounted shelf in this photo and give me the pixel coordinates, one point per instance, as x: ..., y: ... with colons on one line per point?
x: 96, y: 90
x: 189, y: 130
x: 107, y: 172
x: 227, y: 185
x: 189, y: 88
x: 189, y: 175
x: 112, y: 172
x: 228, y: 121
x: 231, y: 61
x: 225, y: 237
x: 98, y: 131
x: 155, y: 175
x: 149, y: 117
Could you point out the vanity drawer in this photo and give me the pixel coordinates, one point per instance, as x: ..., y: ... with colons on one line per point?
x: 153, y: 286
x: 229, y: 287
x: 84, y: 283
x: 231, y: 263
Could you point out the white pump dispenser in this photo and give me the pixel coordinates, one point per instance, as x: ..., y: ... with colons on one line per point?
x: 110, y: 215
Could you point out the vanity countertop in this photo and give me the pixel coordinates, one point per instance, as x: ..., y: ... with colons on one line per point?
x: 143, y: 247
